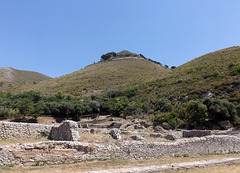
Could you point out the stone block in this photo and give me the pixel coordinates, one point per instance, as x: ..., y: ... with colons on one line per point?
x: 137, y: 137
x: 156, y: 135
x: 68, y: 131
x: 196, y: 133
x: 115, y: 133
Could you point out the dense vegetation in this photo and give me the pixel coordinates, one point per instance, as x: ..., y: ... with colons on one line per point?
x: 204, y: 113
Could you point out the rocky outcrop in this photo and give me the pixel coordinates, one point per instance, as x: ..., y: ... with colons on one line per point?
x: 68, y: 131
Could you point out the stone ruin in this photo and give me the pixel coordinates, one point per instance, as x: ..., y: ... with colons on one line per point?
x: 67, y: 148
x: 68, y: 131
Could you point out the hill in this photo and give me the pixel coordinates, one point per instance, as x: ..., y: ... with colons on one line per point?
x: 216, y: 73
x: 101, y: 77
x: 10, y: 77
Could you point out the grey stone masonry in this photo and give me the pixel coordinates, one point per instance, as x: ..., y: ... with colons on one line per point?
x: 196, y: 133
x: 23, y: 130
x: 70, y: 151
x: 68, y: 131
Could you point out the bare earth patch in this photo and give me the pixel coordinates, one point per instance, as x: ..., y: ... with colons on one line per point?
x: 14, y: 141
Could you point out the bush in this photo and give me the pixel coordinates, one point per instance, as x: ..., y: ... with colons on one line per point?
x: 60, y: 95
x: 132, y: 109
x: 95, y: 106
x: 220, y: 110
x: 3, y: 112
x: 163, y: 105
x: 159, y: 118
x: 172, y: 119
x: 196, y: 113
x: 13, y: 113
x: 80, y: 109
x: 118, y: 105
x: 235, y: 71
x: 130, y: 92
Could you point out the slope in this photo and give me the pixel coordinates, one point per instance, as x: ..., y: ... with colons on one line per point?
x: 100, y: 77
x: 216, y: 73
x: 10, y: 77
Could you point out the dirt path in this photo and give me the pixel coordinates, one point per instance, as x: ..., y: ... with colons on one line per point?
x: 175, y: 166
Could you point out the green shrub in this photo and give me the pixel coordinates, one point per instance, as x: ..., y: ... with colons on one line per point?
x: 196, y: 113
x: 163, y: 105
x: 220, y: 110
x: 118, y: 105
x: 94, y: 106
x: 132, y: 109
x: 25, y: 106
x: 4, y: 112
x: 235, y: 71
x: 36, y: 164
x: 159, y: 117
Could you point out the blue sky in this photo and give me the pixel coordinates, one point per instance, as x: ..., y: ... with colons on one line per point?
x: 57, y: 37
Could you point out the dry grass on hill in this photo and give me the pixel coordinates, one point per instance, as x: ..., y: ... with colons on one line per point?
x: 100, y: 77
x: 10, y: 77
x: 210, y: 72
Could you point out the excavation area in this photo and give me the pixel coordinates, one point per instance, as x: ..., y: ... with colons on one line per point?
x: 113, y: 144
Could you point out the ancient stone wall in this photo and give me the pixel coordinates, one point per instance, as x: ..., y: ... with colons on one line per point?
x: 67, y: 151
x: 23, y: 130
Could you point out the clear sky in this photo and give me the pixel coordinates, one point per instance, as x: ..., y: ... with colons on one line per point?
x: 57, y: 37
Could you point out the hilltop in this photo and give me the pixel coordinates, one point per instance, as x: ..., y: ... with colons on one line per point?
x: 125, y: 54
x: 10, y: 77
x: 121, y: 71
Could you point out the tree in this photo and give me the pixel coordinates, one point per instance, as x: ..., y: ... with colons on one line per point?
x: 95, y: 106
x: 25, y: 106
x: 219, y: 110
x: 118, y: 105
x: 196, y: 113
x: 38, y: 109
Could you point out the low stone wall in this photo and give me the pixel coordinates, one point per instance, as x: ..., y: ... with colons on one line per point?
x: 66, y: 151
x: 23, y: 130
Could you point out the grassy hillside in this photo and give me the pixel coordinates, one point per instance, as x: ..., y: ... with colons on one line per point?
x: 10, y: 77
x: 216, y: 72
x: 101, y: 77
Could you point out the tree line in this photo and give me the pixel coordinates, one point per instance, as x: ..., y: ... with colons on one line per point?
x: 206, y: 113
